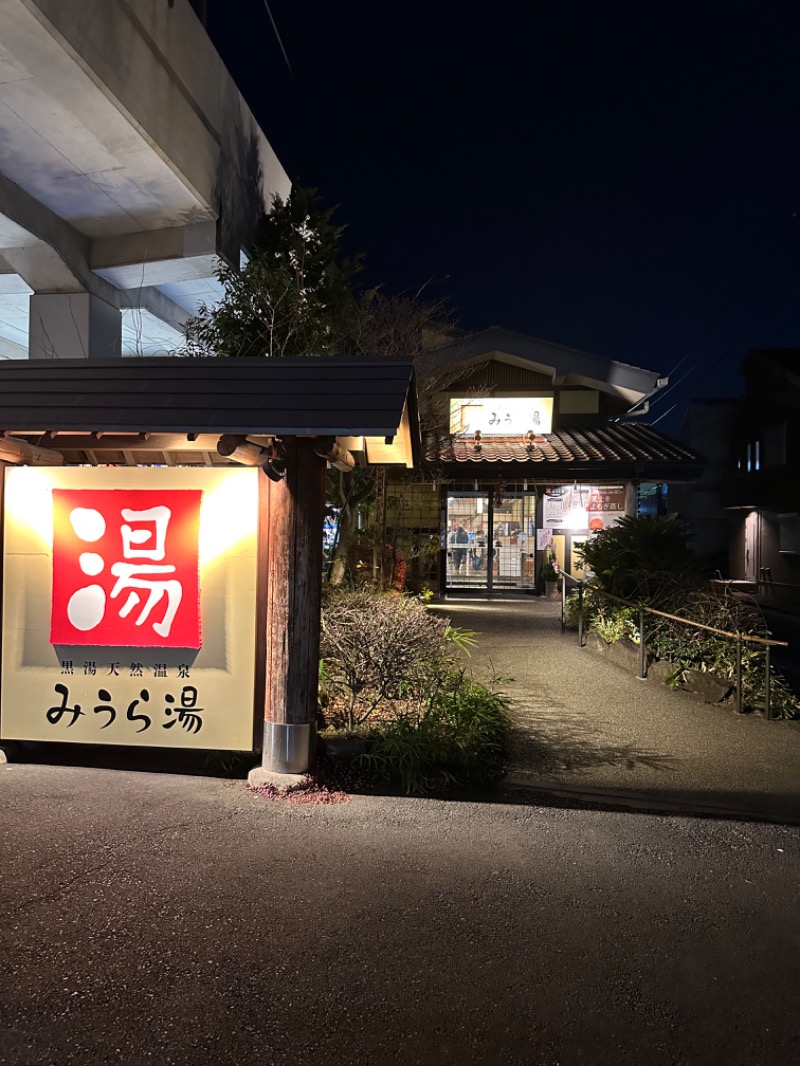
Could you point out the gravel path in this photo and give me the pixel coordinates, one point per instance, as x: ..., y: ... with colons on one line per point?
x: 583, y: 723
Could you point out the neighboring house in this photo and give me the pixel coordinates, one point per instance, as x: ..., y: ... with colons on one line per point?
x: 762, y: 494
x: 532, y: 454
x: 131, y: 165
x: 706, y: 429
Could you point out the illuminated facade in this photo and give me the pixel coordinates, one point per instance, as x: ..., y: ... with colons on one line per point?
x: 541, y: 453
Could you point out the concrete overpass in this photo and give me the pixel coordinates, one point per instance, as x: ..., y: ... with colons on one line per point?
x: 129, y: 165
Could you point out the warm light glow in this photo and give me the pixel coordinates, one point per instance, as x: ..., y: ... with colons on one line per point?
x: 575, y: 518
x: 29, y: 504
x: 503, y: 416
x: 227, y: 516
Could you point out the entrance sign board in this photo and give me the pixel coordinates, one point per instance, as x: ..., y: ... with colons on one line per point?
x: 161, y: 649
x: 501, y: 416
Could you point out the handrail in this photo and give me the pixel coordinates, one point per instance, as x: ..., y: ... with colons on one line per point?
x: 738, y: 637
x: 688, y: 621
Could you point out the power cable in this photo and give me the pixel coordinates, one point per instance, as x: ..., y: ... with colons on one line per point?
x: 280, y: 42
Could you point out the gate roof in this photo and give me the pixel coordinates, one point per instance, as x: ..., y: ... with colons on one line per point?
x: 171, y: 404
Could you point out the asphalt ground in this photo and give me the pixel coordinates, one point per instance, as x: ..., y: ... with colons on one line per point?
x: 588, y: 728
x: 181, y: 920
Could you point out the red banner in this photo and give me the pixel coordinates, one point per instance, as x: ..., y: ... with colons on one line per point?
x: 125, y: 568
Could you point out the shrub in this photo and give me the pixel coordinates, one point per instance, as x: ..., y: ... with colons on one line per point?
x: 690, y: 648
x: 461, y: 739
x: 377, y: 649
x: 641, y: 558
x: 614, y: 621
x: 697, y: 649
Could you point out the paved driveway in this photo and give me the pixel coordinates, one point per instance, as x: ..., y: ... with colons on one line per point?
x: 584, y: 724
x: 154, y: 919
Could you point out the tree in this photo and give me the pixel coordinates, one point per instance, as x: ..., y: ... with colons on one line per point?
x: 296, y: 296
x: 378, y: 324
x: 292, y: 296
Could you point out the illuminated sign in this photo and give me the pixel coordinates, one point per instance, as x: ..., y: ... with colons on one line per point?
x: 500, y: 416
x: 170, y: 554
x: 125, y: 568
x: 583, y: 507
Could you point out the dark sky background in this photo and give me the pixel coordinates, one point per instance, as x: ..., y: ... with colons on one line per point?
x: 621, y: 177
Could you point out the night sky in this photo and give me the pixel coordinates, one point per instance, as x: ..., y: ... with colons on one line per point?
x: 618, y: 177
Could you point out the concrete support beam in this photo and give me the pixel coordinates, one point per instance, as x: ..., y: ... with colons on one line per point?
x: 140, y: 260
x: 157, y: 304
x: 11, y: 349
x: 43, y: 249
x: 74, y: 326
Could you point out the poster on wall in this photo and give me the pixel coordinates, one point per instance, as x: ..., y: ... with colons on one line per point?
x: 583, y: 507
x: 129, y: 606
x: 544, y: 540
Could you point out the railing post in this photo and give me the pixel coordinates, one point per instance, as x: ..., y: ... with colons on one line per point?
x: 563, y: 603
x: 767, y: 706
x: 739, y: 704
x: 642, y: 649
x: 580, y: 616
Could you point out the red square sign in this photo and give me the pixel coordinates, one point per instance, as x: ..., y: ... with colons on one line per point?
x: 125, y: 568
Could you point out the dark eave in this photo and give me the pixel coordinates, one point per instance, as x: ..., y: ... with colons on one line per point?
x: 311, y: 396
x: 174, y: 411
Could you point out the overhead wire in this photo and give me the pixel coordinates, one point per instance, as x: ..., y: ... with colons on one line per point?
x: 280, y: 41
x: 706, y: 364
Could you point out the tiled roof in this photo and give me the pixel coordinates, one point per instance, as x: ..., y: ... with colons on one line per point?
x: 612, y: 446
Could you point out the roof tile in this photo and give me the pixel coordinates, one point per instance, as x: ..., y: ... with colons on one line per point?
x: 614, y: 444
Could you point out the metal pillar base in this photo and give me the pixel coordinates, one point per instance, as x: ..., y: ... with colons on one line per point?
x: 288, y: 748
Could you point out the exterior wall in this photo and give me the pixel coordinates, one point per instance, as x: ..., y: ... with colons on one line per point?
x: 413, y: 527
x: 417, y: 525
x: 706, y: 429
x: 780, y: 571
x: 764, y: 449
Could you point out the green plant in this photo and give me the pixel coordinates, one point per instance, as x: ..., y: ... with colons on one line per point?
x: 550, y: 570
x: 460, y: 740
x: 291, y: 297
x: 614, y: 622
x: 642, y: 558
x: 686, y: 647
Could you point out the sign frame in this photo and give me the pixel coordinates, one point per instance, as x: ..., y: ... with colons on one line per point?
x: 229, y: 668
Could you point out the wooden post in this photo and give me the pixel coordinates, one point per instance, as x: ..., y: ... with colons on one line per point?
x: 380, y: 528
x: 294, y: 592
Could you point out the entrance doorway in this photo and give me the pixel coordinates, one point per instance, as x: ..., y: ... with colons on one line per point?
x: 751, y: 547
x: 490, y: 545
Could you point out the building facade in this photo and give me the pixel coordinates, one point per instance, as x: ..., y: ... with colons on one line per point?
x: 761, y: 489
x: 528, y: 450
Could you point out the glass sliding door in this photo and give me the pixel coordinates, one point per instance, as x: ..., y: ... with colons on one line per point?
x: 514, y: 539
x: 490, y: 544
x: 467, y: 541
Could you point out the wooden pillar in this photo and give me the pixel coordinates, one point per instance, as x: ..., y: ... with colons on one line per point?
x: 294, y: 592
